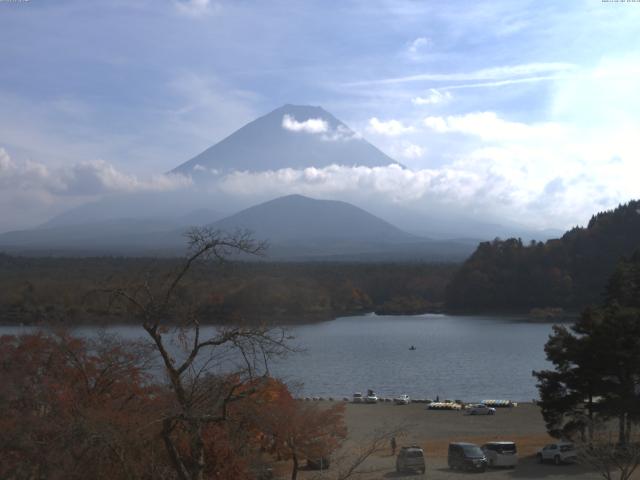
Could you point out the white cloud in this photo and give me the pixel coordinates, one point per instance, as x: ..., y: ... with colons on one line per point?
x: 96, y: 177
x: 30, y: 190
x: 196, y: 8
x: 311, y: 125
x: 201, y: 168
x: 341, y: 133
x: 494, y: 73
x: 88, y: 178
x: 489, y: 127
x: 434, y: 97
x: 501, y: 182
x: 391, y: 127
x: 418, y: 44
x: 413, y: 151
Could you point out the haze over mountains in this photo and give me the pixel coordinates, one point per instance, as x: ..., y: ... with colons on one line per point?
x: 290, y: 137
x: 295, y: 228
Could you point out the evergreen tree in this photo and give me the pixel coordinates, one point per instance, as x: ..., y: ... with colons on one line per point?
x: 596, y: 373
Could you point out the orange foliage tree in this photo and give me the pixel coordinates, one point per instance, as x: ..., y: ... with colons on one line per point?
x: 74, y: 409
x: 295, y: 430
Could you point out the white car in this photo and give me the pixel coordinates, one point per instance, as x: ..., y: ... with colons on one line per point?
x: 479, y: 409
x: 501, y: 454
x: 402, y: 400
x: 371, y: 398
x: 358, y: 398
x: 560, y: 452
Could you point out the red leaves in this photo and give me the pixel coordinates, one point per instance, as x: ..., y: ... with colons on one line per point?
x: 301, y: 429
x: 73, y: 410
x: 76, y: 409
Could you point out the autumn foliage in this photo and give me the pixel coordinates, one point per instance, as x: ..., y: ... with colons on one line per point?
x: 295, y: 430
x: 72, y: 409
x: 77, y: 409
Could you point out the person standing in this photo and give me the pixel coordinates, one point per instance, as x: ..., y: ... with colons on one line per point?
x: 393, y: 445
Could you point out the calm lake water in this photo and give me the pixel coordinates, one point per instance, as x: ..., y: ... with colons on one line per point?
x: 463, y: 357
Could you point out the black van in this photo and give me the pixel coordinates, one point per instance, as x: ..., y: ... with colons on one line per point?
x: 466, y: 456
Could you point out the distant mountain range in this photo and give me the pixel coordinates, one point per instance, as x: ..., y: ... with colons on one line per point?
x: 292, y: 136
x: 295, y: 227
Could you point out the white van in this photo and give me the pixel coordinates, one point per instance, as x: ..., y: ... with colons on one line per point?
x: 501, y: 454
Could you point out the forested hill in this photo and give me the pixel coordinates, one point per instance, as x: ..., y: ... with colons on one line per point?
x: 569, y: 272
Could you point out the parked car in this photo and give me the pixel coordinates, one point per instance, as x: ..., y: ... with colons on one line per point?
x: 479, y: 409
x: 466, y: 456
x: 410, y: 458
x: 321, y: 463
x: 371, y: 397
x: 501, y: 454
x: 402, y: 400
x: 560, y: 452
x: 358, y: 398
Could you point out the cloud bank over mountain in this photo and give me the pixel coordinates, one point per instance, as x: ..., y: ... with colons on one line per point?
x: 541, y: 175
x: 32, y: 191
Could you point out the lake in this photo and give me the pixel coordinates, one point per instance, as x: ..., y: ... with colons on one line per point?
x: 459, y: 357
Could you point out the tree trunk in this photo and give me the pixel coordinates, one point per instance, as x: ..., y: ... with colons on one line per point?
x: 622, y: 436
x: 174, y: 455
x: 197, y: 451
x: 294, y: 472
x: 590, y: 424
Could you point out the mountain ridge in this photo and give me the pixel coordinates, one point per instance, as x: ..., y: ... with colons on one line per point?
x: 297, y: 217
x: 267, y: 144
x: 297, y: 228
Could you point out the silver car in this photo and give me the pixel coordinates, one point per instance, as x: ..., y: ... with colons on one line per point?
x: 410, y: 458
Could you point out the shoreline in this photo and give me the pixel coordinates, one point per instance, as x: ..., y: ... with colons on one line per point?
x: 289, y: 321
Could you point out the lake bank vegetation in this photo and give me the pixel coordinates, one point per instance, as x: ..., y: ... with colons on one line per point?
x: 69, y: 291
x: 568, y: 273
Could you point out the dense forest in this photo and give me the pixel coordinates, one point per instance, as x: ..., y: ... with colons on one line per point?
x: 570, y: 272
x: 73, y: 290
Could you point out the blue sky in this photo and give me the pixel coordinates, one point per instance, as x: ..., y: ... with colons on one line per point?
x: 529, y: 110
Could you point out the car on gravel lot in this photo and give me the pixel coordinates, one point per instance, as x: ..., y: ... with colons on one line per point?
x: 501, y: 454
x: 402, y: 400
x: 410, y: 458
x: 479, y: 409
x: 560, y: 452
x: 466, y: 456
x: 358, y: 398
x: 371, y: 397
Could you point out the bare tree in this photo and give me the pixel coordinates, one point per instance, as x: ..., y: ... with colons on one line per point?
x: 167, y: 315
x: 610, y: 458
x: 352, y: 465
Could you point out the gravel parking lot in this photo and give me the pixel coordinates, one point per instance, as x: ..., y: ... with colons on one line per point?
x: 434, y: 430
